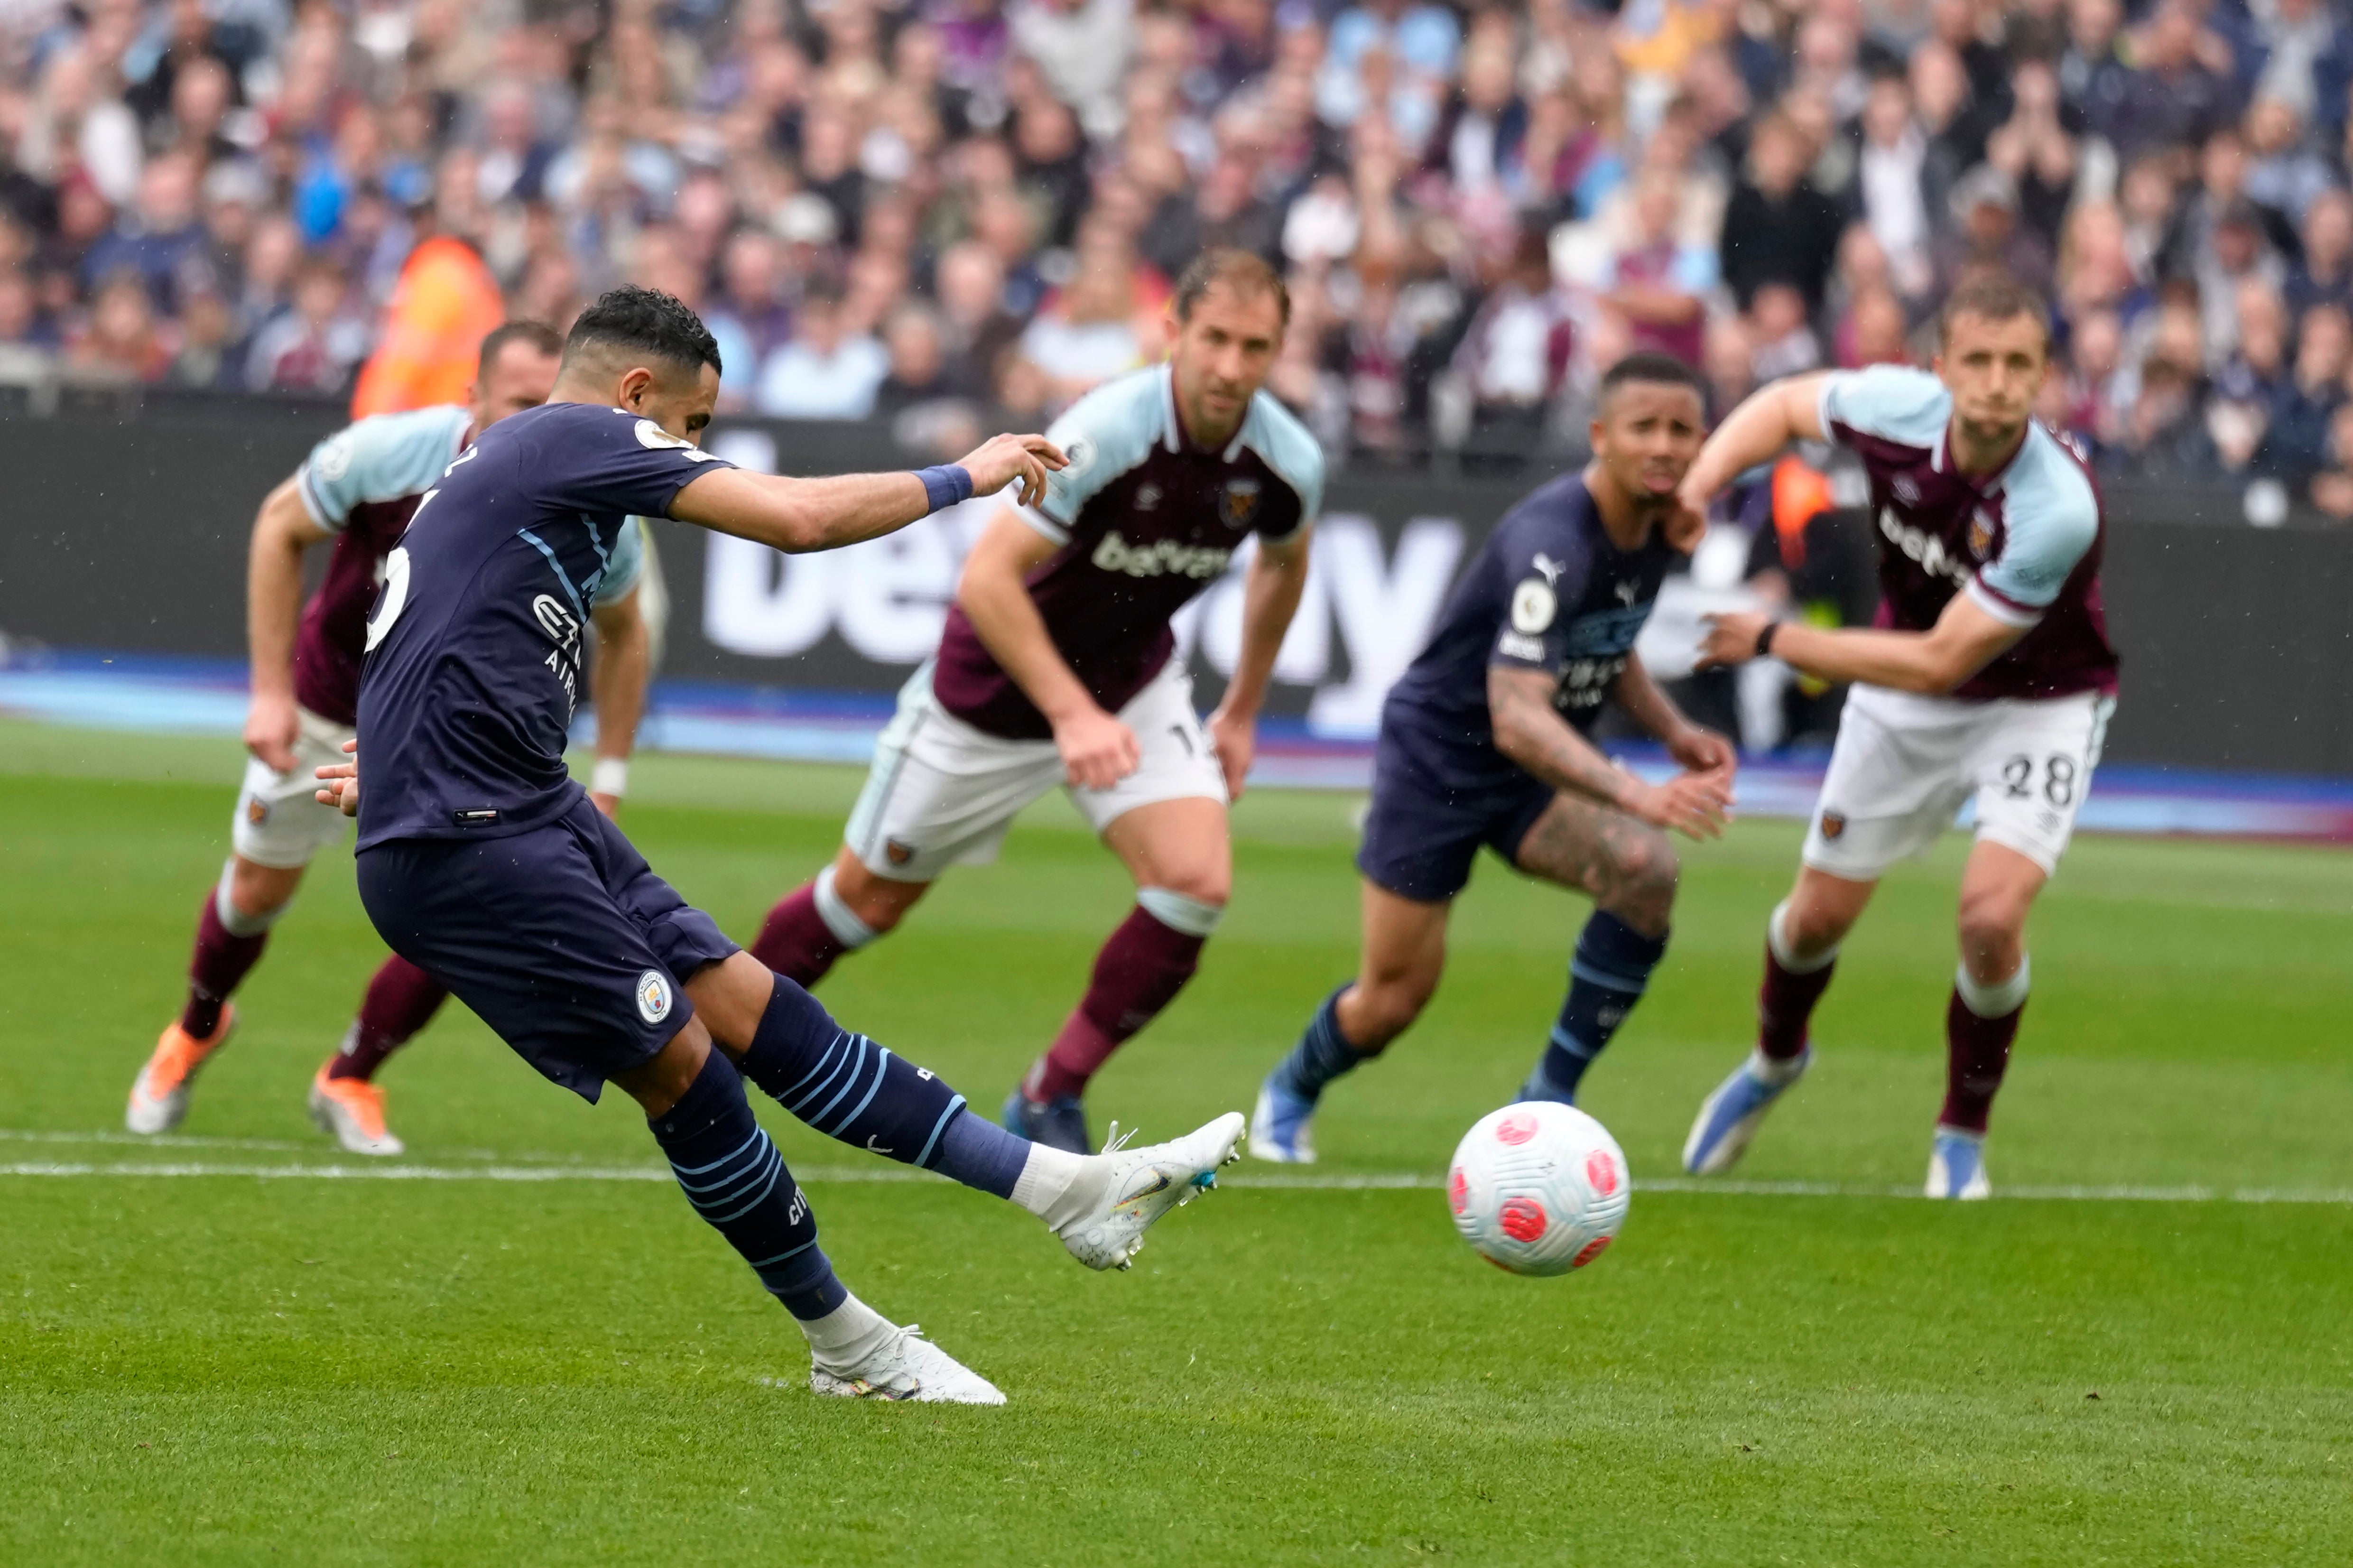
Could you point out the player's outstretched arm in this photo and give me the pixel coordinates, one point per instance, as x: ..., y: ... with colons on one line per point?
x: 1964, y: 639
x: 282, y: 531
x: 1531, y: 732
x: 1699, y: 749
x: 617, y: 684
x: 1769, y: 419
x: 1097, y: 749
x: 1271, y: 591
x: 797, y: 515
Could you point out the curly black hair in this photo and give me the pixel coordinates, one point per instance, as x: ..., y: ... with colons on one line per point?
x: 647, y: 321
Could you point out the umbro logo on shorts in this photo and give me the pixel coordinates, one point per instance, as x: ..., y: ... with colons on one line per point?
x: 653, y: 996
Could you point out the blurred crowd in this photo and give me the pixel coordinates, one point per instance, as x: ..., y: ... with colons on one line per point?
x: 959, y: 212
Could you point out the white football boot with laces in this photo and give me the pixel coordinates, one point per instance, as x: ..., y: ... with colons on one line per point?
x: 1112, y: 1205
x: 906, y: 1366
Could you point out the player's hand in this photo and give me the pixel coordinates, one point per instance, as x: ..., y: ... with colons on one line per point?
x: 271, y: 727
x: 1001, y: 460
x: 1234, y: 738
x: 1730, y: 638
x: 608, y: 804
x: 340, y: 782
x: 1700, y: 750
x: 1686, y: 527
x: 1098, y: 751
x: 1697, y: 805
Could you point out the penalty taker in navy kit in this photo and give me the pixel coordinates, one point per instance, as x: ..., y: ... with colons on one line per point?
x: 358, y: 488
x: 483, y: 863
x: 1988, y: 678
x: 1057, y: 666
x: 1486, y: 740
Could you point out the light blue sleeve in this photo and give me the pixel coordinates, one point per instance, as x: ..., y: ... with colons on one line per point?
x: 381, y: 458
x: 1893, y: 402
x: 1297, y: 458
x: 2050, y: 515
x: 628, y: 566
x: 1103, y: 434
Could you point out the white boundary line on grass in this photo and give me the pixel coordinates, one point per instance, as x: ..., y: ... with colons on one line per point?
x: 1337, y: 1181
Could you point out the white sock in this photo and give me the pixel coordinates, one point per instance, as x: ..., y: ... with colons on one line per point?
x: 847, y: 927
x: 1784, y: 954
x: 1999, y: 1000
x: 1059, y: 1186
x: 847, y: 1335
x: 1773, y: 1070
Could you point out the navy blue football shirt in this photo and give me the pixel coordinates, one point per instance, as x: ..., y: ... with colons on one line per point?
x: 1549, y: 592
x: 474, y: 647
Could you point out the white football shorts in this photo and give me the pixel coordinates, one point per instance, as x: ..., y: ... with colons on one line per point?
x: 1904, y: 764
x: 279, y: 820
x: 942, y: 793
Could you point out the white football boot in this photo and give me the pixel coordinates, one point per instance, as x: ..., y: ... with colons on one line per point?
x: 1136, y: 1186
x: 906, y: 1366
x: 1957, y: 1166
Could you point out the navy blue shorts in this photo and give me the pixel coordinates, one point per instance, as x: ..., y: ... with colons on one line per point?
x: 1420, y: 836
x: 562, y: 939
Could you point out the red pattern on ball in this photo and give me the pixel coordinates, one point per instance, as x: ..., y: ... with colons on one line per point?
x: 1588, y: 1252
x: 1517, y: 1127
x: 1601, y: 1172
x: 1522, y: 1219
x: 1457, y: 1191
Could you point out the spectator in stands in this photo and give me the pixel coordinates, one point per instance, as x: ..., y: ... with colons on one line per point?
x: 2295, y: 442
x: 1516, y: 354
x: 1777, y: 228
x: 825, y: 370
x: 314, y: 347
x: 1081, y: 48
x: 1890, y: 187
x: 121, y: 343
x: 1659, y: 285
x: 2324, y: 274
x: 919, y: 368
x: 1412, y: 48
x: 2286, y: 173
x: 1988, y: 236
x: 158, y: 236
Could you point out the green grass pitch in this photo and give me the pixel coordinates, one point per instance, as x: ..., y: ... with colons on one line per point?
x: 227, y: 1368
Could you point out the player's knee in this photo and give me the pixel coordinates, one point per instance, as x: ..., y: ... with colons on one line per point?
x: 1210, y: 887
x: 1992, y: 924
x: 1646, y: 873
x: 251, y: 897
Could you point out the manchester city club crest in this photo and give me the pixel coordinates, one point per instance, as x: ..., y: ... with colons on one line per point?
x: 1240, y: 503
x: 653, y: 996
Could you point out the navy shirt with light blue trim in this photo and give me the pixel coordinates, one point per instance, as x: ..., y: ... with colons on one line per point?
x: 476, y: 644
x: 1548, y: 591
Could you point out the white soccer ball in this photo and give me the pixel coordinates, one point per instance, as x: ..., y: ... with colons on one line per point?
x: 1538, y: 1188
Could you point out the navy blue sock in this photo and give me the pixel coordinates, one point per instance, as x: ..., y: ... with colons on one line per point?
x: 1323, y: 1052
x: 735, y: 1179
x: 977, y: 1153
x: 847, y: 1086
x: 1606, y: 979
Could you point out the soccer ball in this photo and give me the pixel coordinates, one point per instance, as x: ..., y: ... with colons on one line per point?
x: 1538, y: 1188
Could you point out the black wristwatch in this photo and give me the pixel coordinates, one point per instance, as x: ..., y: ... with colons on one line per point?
x: 1765, y: 638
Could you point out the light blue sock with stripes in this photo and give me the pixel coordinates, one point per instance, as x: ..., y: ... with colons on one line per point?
x: 848, y: 1087
x: 1606, y: 979
x: 736, y: 1181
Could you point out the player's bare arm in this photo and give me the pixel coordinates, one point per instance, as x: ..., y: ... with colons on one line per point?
x: 1755, y: 432
x: 1694, y: 748
x: 282, y: 531
x: 617, y: 684
x: 1098, y: 750
x: 1530, y: 732
x: 1270, y: 591
x: 1963, y: 641
x: 796, y: 515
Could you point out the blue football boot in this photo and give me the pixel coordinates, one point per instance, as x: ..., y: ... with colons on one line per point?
x: 1282, y: 1124
x: 1059, y: 1123
x: 1956, y: 1165
x: 1730, y: 1116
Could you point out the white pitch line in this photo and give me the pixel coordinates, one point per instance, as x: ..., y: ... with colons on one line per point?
x: 1334, y: 1182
